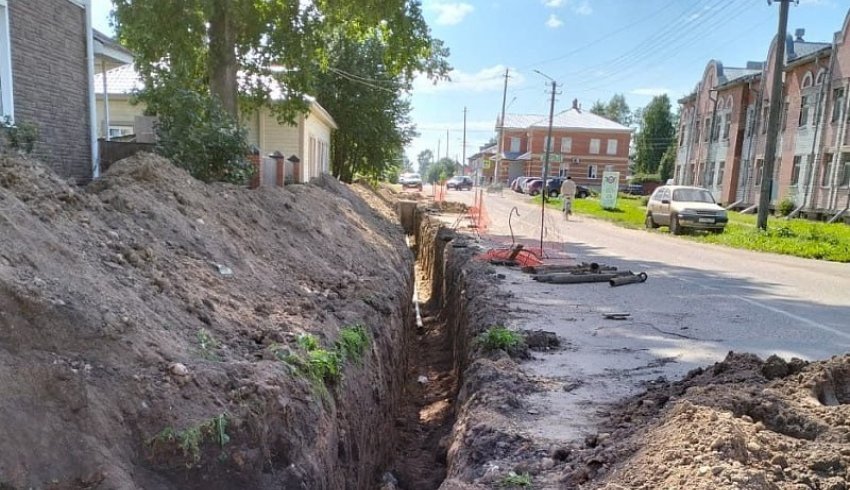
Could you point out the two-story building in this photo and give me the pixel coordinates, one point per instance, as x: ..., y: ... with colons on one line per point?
x: 583, y: 145
x: 723, y: 128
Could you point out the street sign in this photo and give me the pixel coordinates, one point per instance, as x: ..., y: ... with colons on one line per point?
x: 555, y: 157
x: 610, y: 187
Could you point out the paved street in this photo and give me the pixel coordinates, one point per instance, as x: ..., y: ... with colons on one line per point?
x: 700, y: 302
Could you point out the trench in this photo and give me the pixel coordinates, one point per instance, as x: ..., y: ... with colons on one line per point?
x: 436, y: 356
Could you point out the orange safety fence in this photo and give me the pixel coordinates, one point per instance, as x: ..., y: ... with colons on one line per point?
x: 439, y: 192
x: 478, y: 213
x: 523, y: 258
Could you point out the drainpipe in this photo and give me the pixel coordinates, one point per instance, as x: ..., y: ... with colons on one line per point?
x: 105, y: 101
x: 95, y: 157
x: 754, y: 138
x: 711, y: 129
x: 694, y: 121
x: 825, y: 88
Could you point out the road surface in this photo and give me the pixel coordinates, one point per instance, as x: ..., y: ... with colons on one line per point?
x: 700, y: 302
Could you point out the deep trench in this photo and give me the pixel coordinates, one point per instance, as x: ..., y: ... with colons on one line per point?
x: 435, y: 358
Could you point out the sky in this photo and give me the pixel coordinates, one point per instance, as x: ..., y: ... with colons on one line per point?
x: 592, y: 48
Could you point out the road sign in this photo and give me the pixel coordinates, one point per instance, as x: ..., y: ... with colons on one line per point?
x: 610, y: 187
x: 555, y: 158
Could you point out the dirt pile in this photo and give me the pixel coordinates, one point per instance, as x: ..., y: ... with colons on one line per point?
x: 158, y: 332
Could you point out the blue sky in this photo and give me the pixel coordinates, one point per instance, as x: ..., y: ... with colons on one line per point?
x: 593, y: 48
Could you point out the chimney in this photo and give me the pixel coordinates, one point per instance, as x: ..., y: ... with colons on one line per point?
x: 575, y: 104
x: 799, y: 33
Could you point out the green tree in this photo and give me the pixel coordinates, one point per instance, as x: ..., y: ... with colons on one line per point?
x: 618, y: 110
x: 656, y: 135
x: 599, y: 108
x: 241, y: 51
x: 668, y: 163
x: 425, y: 159
x: 442, y: 170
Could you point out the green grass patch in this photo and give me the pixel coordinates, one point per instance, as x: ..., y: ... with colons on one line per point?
x: 796, y: 237
x: 498, y: 337
x: 207, y: 345
x: 514, y: 480
x: 190, y: 440
x: 352, y: 342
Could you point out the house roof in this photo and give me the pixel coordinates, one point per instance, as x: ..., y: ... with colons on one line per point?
x: 804, y: 48
x: 124, y: 80
x: 108, y: 53
x: 574, y: 118
x: 520, y: 121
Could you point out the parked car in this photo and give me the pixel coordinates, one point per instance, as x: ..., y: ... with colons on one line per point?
x: 526, y: 186
x: 682, y: 207
x: 459, y: 182
x: 410, y: 181
x: 517, y: 183
x: 634, y: 189
x: 553, y: 188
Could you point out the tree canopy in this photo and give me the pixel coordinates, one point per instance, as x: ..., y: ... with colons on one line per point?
x: 617, y: 109
x: 657, y: 133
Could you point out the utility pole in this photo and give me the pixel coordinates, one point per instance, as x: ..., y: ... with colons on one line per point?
x: 447, y: 144
x: 437, y: 156
x: 548, y: 143
x: 463, y: 152
x: 501, y: 130
x: 773, y: 116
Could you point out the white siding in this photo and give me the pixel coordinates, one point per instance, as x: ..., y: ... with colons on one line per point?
x: 317, y: 158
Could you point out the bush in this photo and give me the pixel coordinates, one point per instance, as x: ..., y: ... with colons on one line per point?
x: 197, y: 134
x: 498, y: 337
x: 641, y: 178
x: 786, y: 206
x: 644, y: 200
x: 21, y: 136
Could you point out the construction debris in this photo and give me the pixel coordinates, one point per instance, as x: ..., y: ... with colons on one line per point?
x: 629, y: 279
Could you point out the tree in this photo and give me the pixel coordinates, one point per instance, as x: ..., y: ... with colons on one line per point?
x: 668, y: 163
x: 616, y: 109
x: 656, y: 135
x: 241, y: 51
x: 425, y: 158
x: 369, y: 104
x: 442, y: 170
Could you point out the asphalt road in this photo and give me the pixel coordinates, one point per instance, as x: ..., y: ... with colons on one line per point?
x: 700, y: 302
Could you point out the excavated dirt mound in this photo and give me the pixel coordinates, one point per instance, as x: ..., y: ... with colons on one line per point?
x: 150, y: 323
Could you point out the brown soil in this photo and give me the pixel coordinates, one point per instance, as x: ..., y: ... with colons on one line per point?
x: 143, y: 319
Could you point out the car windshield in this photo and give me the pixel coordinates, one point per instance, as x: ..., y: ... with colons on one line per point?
x: 411, y: 176
x: 692, y: 195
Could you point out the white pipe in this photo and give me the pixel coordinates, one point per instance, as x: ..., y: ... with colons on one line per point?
x: 105, y: 101
x: 95, y: 157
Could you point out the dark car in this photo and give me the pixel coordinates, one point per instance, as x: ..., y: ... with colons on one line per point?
x: 553, y: 188
x: 517, y: 183
x: 459, y: 182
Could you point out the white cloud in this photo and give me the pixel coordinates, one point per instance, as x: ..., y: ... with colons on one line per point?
x: 553, y: 3
x: 584, y: 8
x: 651, y: 91
x: 554, y: 22
x: 449, y: 14
x: 484, y: 80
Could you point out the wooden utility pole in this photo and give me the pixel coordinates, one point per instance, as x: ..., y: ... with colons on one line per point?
x: 447, y: 144
x: 499, y: 147
x: 463, y: 152
x: 773, y: 116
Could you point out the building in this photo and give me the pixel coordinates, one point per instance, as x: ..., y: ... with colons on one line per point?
x: 309, y: 138
x: 583, y: 145
x: 481, y: 162
x: 48, y: 55
x: 723, y: 128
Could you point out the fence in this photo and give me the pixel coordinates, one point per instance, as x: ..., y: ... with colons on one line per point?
x: 112, y: 151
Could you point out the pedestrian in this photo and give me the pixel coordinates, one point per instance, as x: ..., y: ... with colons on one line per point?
x: 568, y: 191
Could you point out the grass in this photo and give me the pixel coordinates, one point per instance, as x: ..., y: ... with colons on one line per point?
x: 797, y: 237
x: 498, y: 337
x: 207, y: 345
x: 513, y: 480
x: 189, y: 440
x: 352, y: 342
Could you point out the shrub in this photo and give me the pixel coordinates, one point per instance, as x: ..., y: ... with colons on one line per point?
x: 786, y: 206
x: 197, y: 134
x: 21, y: 136
x: 498, y: 337
x: 352, y: 342
x: 644, y: 200
x: 641, y: 178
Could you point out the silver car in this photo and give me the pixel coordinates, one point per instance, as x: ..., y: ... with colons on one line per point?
x: 681, y: 207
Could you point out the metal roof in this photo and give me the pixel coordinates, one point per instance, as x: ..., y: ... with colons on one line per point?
x: 520, y: 121
x: 580, y: 119
x: 802, y: 48
x: 119, y: 81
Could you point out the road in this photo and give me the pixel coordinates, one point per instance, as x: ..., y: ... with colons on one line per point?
x: 700, y: 302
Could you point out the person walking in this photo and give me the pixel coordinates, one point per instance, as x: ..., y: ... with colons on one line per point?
x: 568, y: 192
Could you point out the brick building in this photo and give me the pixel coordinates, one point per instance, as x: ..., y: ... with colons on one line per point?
x: 722, y: 133
x: 47, y: 58
x: 583, y: 146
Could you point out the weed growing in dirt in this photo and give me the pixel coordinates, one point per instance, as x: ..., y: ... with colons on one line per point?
x: 208, y: 345
x: 513, y: 480
x: 498, y: 337
x: 189, y: 440
x: 308, y: 342
x: 352, y: 342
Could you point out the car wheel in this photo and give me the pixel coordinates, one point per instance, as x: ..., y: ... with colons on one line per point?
x: 649, y: 222
x: 675, y: 227
x: 533, y: 193
x: 554, y: 194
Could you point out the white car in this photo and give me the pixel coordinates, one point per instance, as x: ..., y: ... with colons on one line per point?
x: 680, y: 207
x: 410, y: 181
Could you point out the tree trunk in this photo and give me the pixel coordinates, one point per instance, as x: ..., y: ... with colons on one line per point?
x: 223, y: 66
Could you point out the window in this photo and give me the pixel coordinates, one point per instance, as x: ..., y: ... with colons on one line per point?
x: 721, y: 167
x: 515, y: 144
x: 845, y: 170
x: 765, y: 117
x: 827, y: 170
x: 709, y: 174
x: 783, y: 122
x: 751, y: 120
x: 707, y: 129
x: 804, y: 110
x: 759, y: 170
x: 795, y: 172
x: 727, y: 126
x: 566, y: 145
x: 591, y: 171
x: 837, y: 104
x: 594, y: 146
x: 118, y: 131
x: 715, y: 130
x: 612, y: 147
x: 6, y: 100
x: 696, y: 132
